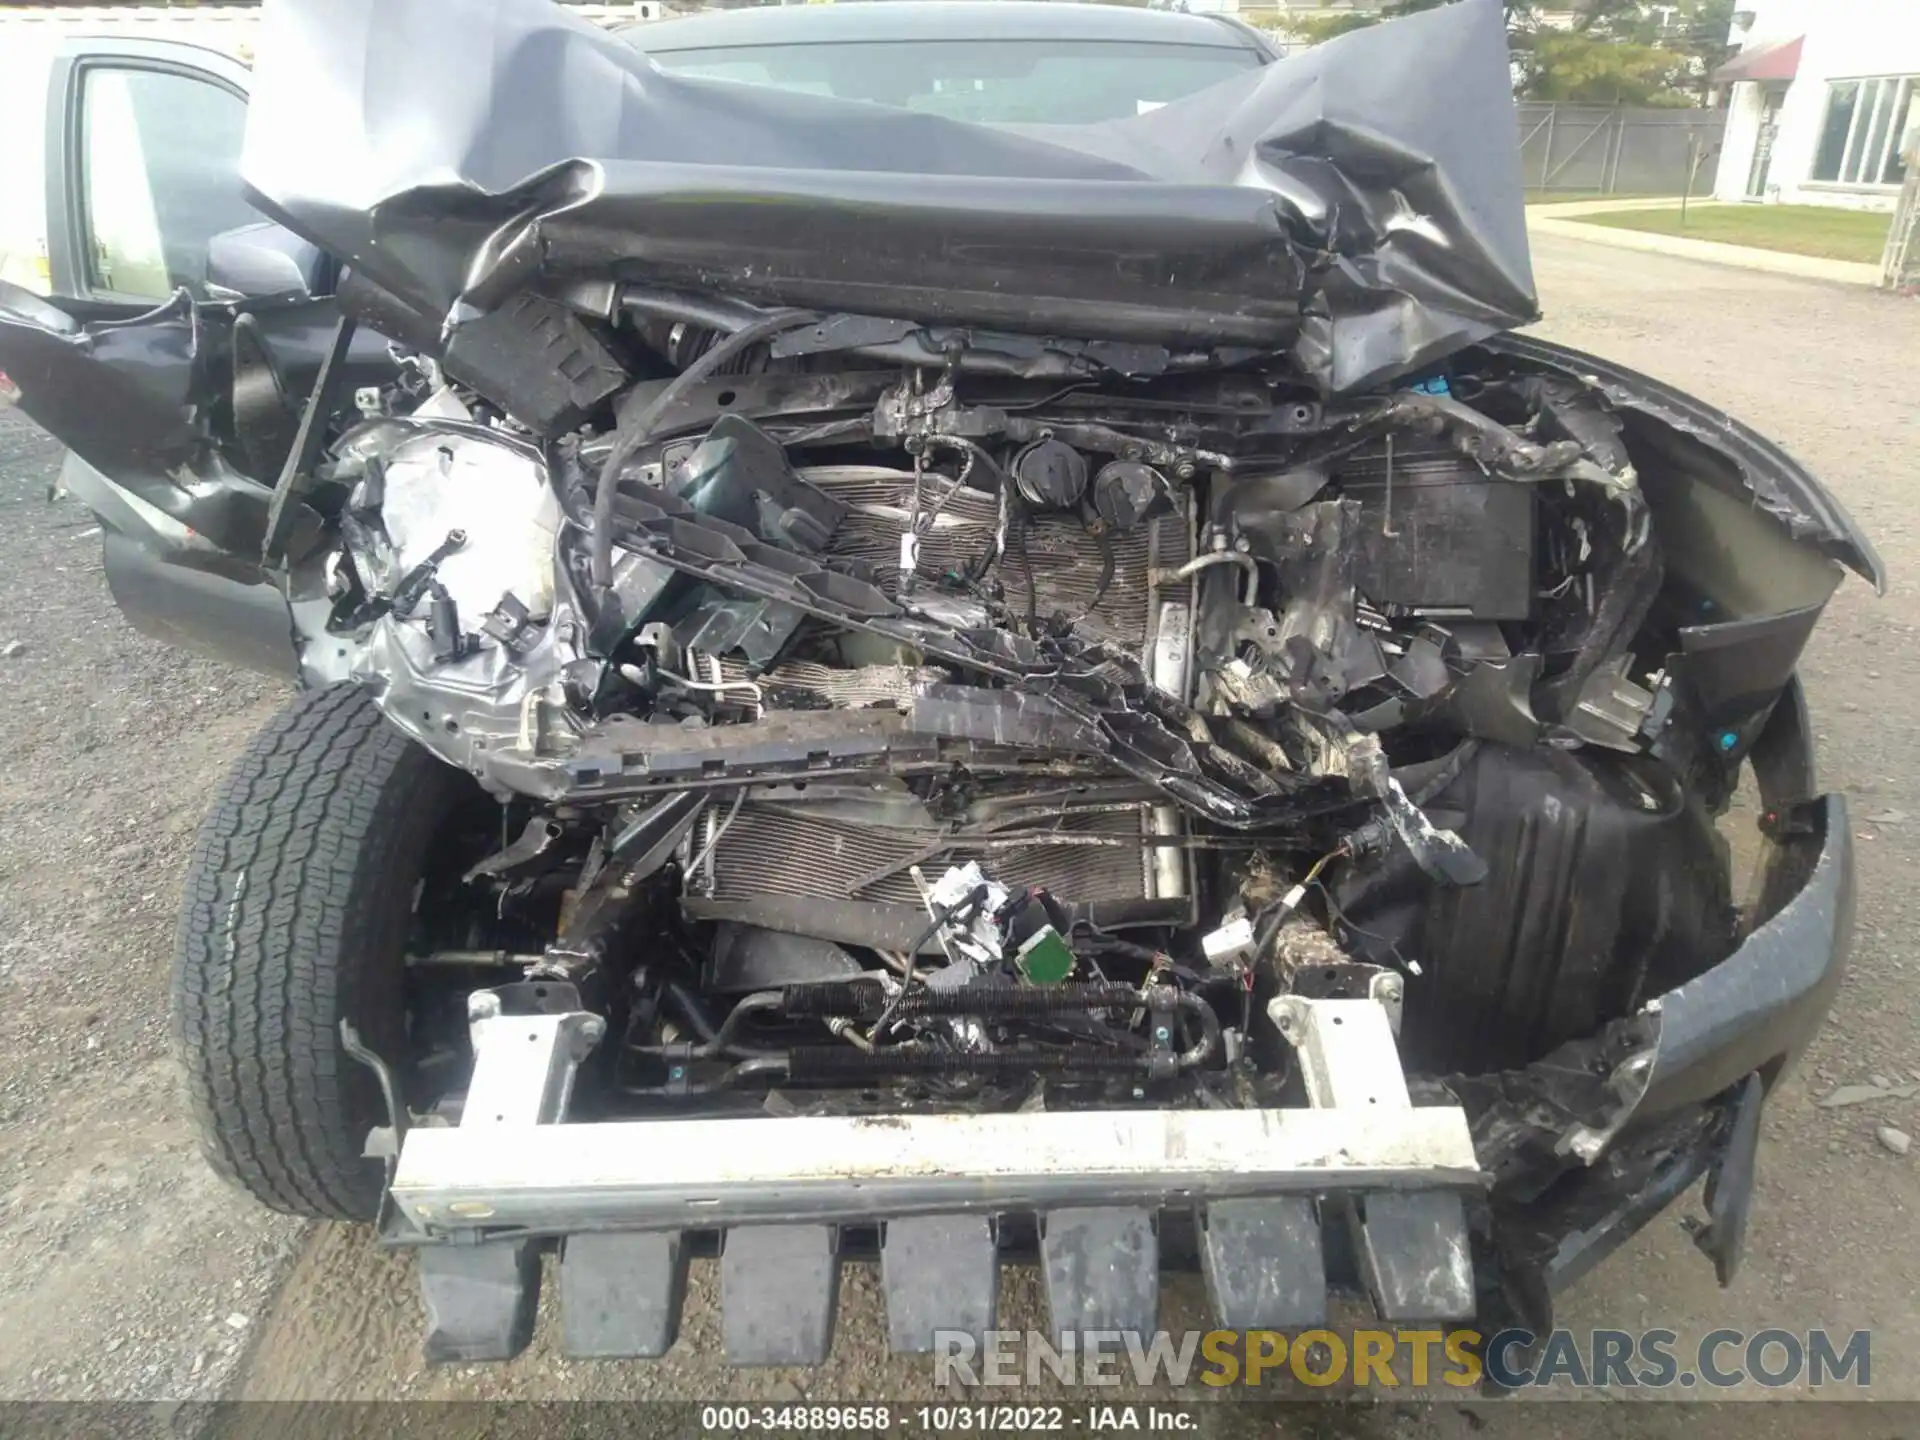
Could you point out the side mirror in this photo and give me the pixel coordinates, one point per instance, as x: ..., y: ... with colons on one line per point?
x: 264, y: 262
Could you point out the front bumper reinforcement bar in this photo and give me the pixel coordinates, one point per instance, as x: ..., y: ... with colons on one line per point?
x: 706, y: 1174
x: 626, y: 1199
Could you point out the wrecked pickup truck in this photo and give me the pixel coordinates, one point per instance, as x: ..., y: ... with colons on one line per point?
x: 885, y: 680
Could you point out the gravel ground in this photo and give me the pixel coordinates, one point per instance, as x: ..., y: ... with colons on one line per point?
x: 126, y: 1268
x: 126, y: 1271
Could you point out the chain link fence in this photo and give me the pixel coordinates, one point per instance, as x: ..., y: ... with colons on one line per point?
x: 1606, y: 150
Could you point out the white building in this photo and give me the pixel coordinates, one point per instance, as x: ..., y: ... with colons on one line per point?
x: 1825, y: 102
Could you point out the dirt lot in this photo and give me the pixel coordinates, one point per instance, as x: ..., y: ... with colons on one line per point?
x: 126, y: 1271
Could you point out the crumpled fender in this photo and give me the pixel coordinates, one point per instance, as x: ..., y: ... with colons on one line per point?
x: 1780, y: 486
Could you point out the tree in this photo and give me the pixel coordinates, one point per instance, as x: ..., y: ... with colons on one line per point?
x: 1629, y: 20
x: 1702, y: 38
x: 1313, y: 29
x: 1597, y: 70
x: 1611, y: 55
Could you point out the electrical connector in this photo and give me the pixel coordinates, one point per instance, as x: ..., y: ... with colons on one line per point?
x: 1231, y: 946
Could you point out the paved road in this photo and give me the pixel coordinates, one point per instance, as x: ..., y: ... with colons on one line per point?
x: 125, y: 1271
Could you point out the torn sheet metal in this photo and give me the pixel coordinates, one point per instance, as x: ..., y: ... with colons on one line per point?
x: 1780, y: 487
x: 1359, y: 204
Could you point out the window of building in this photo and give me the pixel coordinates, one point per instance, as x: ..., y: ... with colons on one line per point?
x: 1866, y: 125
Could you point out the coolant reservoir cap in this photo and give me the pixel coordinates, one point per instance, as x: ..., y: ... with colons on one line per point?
x: 1051, y: 475
x: 1125, y: 492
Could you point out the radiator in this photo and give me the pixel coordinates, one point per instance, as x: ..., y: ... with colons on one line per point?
x: 1090, y: 856
x: 777, y: 850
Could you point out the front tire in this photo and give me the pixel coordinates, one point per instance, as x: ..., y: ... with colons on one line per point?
x: 298, y: 903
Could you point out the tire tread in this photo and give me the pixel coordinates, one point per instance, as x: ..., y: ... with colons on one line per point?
x: 295, y: 913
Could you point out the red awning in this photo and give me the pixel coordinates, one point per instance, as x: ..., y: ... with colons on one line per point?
x: 1775, y: 60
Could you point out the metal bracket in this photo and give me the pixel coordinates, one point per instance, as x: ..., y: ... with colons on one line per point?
x: 1412, y: 1244
x: 1729, y: 1198
x: 523, y: 1065
x: 383, y: 1141
x: 1347, y: 1053
x: 296, y: 474
x: 1349, y: 980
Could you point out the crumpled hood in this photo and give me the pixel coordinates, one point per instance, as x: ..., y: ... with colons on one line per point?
x: 1358, y: 205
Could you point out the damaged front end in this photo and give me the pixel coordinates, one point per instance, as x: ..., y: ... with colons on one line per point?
x: 1222, y: 767
x: 947, y: 749
x: 970, y: 754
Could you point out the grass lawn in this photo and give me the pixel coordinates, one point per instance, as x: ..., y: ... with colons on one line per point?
x: 1802, y: 229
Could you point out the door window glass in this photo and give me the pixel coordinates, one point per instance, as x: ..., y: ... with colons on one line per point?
x: 160, y: 176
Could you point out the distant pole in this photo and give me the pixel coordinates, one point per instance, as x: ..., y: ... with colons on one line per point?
x: 1696, y: 153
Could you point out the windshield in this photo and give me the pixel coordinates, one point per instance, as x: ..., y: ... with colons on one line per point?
x: 1042, y: 82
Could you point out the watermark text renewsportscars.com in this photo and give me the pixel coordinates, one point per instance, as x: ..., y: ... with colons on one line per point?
x: 1394, y: 1359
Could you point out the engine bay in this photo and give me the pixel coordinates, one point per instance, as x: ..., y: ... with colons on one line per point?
x: 1009, y: 729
